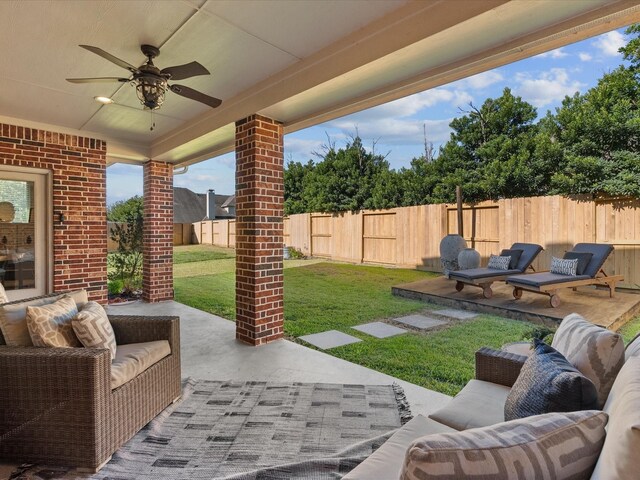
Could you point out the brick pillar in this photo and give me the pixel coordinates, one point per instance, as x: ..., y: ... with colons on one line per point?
x: 157, y: 248
x: 259, y: 230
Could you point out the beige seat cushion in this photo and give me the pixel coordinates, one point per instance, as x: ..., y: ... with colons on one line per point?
x: 133, y: 359
x: 13, y: 317
x: 479, y: 404
x: 386, y: 462
x: 93, y: 329
x: 597, y: 352
x: 552, y: 446
x: 620, y: 456
x: 633, y: 349
x: 50, y: 325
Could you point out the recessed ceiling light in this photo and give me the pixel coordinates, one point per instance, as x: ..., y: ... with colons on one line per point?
x: 104, y: 100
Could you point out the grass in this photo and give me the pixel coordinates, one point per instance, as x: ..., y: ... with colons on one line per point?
x: 200, y: 253
x: 322, y: 296
x: 630, y: 330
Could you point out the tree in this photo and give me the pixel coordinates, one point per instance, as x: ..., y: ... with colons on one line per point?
x: 295, y: 179
x: 126, y: 262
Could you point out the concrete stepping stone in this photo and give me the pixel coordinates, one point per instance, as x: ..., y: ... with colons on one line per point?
x: 379, y: 329
x: 329, y: 339
x: 457, y: 314
x: 421, y: 322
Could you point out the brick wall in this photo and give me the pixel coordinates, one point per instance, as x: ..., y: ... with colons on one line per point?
x: 78, y: 166
x: 157, y: 267
x: 259, y: 230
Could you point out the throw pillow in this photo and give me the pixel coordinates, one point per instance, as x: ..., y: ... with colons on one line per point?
x: 93, y: 329
x: 3, y: 294
x: 50, y: 325
x: 498, y: 262
x: 549, y: 383
x: 553, y: 446
x: 619, y: 457
x: 597, y: 352
x: 564, y: 267
x: 583, y: 260
x: 515, y: 257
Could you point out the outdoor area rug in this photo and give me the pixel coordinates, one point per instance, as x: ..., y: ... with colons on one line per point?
x: 255, y: 431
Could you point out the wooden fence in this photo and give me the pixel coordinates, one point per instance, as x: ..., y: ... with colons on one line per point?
x: 410, y: 236
x: 182, y: 235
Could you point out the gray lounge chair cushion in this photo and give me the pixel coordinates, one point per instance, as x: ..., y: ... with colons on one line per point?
x: 600, y: 252
x: 543, y: 278
x: 583, y: 260
x: 529, y: 253
x: 480, y: 273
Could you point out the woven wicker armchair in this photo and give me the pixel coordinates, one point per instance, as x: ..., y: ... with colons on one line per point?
x: 497, y: 366
x: 57, y: 406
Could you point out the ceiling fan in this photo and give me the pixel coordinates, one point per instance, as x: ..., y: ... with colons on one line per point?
x: 150, y: 82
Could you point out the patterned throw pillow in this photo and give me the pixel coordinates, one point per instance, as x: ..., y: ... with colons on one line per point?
x: 3, y: 295
x: 561, y: 266
x: 597, y: 352
x: 498, y: 262
x: 549, y: 383
x: 93, y: 329
x: 50, y: 325
x: 551, y: 446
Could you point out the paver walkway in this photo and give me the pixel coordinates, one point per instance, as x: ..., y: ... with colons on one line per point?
x: 421, y: 322
x: 329, y: 339
x: 379, y: 329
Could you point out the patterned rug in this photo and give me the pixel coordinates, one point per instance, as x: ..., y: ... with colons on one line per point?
x: 255, y: 431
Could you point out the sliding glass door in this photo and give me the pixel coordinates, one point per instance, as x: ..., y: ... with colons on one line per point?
x: 23, y: 234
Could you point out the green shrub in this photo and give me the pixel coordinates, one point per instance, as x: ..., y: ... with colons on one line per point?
x: 295, y: 254
x: 115, y: 286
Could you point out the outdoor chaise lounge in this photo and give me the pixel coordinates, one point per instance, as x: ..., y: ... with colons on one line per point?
x: 484, y: 277
x: 548, y: 283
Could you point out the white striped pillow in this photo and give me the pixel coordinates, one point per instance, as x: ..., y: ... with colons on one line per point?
x: 93, y: 329
x: 564, y: 266
x: 3, y: 295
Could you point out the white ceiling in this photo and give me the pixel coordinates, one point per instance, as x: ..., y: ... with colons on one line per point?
x: 299, y: 62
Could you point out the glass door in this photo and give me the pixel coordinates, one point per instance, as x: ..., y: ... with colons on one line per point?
x: 23, y: 234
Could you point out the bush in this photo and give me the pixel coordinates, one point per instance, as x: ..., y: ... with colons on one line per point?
x: 126, y: 264
x: 295, y: 254
x: 115, y: 287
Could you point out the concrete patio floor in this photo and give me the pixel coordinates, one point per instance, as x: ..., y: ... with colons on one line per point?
x: 210, y: 351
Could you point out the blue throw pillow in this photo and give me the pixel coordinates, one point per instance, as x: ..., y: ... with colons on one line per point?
x: 549, y: 383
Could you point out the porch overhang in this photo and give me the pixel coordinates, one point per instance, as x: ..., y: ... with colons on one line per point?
x: 298, y: 64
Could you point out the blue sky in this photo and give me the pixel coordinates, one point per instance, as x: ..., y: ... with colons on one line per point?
x: 397, y: 128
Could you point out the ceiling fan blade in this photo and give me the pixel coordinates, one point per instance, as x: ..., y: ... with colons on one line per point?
x: 195, y: 95
x: 188, y: 70
x: 98, y: 80
x: 111, y: 58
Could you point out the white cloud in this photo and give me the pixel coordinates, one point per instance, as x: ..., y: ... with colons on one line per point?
x: 585, y: 57
x: 301, y: 147
x: 550, y: 86
x: 610, y: 43
x: 481, y: 80
x: 554, y: 54
x: 396, y: 131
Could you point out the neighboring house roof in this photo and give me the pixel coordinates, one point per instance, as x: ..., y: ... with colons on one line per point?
x: 231, y: 202
x: 190, y: 207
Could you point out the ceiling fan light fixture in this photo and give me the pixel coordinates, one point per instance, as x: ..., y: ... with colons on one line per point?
x: 151, y: 91
x: 103, y: 100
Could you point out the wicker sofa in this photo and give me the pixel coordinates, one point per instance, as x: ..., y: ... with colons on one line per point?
x: 57, y: 406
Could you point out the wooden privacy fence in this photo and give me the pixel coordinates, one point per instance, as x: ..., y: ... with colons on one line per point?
x: 410, y: 236
x: 215, y: 232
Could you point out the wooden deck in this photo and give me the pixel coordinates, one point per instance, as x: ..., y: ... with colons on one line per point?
x: 593, y: 304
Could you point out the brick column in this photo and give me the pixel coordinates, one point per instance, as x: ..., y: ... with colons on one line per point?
x: 259, y: 230
x: 157, y: 243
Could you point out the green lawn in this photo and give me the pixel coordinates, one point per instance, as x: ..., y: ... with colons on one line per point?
x: 630, y: 330
x: 200, y: 253
x: 321, y: 296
